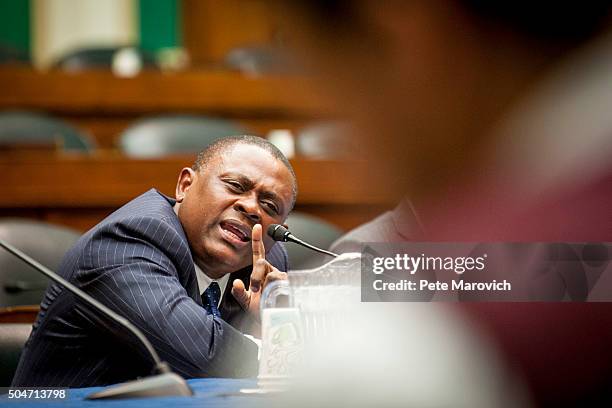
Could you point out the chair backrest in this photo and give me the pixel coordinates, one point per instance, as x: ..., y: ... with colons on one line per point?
x: 20, y: 284
x: 12, y: 339
x: 257, y: 60
x: 327, y: 140
x: 100, y: 58
x: 22, y: 127
x: 313, y: 230
x: 12, y: 55
x: 176, y: 134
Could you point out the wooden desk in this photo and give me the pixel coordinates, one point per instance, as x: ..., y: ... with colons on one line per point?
x: 79, y: 190
x: 19, y: 314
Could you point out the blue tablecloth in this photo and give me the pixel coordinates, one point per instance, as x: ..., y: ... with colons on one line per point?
x: 209, y: 393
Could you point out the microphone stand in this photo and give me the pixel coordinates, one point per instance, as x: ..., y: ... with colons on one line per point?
x: 294, y: 239
x: 279, y: 233
x: 164, y: 383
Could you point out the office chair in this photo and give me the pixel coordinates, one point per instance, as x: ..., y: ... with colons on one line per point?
x: 313, y: 230
x: 23, y: 128
x: 12, y: 55
x: 257, y: 60
x: 100, y: 58
x: 174, y: 134
x: 327, y: 140
x: 12, y: 339
x: 46, y: 243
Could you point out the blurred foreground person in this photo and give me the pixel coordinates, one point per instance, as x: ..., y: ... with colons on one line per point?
x: 493, y: 117
x: 403, y: 355
x: 398, y: 225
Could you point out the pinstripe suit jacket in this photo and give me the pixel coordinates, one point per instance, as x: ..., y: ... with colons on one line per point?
x: 137, y: 262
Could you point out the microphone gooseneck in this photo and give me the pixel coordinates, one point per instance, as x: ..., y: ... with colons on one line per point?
x: 279, y: 233
x: 84, y: 296
x: 165, y: 383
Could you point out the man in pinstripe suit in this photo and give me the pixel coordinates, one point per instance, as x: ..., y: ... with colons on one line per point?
x: 154, y: 262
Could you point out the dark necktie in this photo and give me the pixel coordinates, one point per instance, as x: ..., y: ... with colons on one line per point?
x: 210, y: 299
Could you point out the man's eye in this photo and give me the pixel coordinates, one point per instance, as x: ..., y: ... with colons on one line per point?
x: 271, y: 206
x: 235, y: 185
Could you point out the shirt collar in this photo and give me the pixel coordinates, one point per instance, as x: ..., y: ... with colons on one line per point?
x: 204, y: 281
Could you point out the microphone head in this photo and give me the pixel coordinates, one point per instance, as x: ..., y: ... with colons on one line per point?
x: 278, y: 232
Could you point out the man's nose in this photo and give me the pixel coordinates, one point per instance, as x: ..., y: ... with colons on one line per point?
x: 249, y: 207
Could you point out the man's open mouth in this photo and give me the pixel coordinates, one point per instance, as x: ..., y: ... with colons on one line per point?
x: 236, y: 230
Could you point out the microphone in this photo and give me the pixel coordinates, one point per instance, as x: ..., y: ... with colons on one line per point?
x: 280, y: 233
x: 164, y: 383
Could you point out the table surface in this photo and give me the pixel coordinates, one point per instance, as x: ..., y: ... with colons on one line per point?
x: 209, y: 393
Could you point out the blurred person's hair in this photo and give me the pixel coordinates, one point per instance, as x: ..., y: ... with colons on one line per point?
x: 557, y: 24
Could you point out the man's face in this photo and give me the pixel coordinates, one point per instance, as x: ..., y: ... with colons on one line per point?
x: 219, y: 205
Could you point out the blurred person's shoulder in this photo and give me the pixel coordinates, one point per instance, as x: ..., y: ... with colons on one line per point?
x: 398, y: 225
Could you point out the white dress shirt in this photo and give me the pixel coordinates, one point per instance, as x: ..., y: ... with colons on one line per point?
x: 204, y: 282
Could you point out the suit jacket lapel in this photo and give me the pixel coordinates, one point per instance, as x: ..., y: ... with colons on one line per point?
x: 193, y: 289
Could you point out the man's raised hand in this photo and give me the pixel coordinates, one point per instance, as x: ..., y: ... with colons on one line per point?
x: 263, y: 273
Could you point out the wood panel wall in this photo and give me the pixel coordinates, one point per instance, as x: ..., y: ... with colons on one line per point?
x: 211, y: 28
x: 79, y: 190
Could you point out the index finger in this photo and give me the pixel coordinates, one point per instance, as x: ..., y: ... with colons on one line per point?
x: 259, y: 251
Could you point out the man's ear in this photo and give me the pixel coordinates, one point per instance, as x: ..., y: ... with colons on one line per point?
x: 184, y: 183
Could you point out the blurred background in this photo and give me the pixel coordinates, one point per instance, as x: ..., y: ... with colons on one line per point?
x: 104, y: 100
